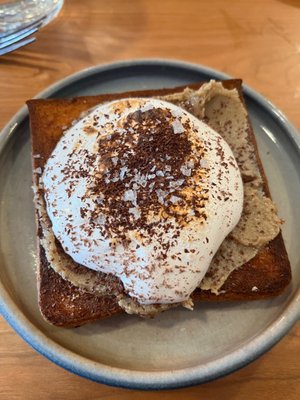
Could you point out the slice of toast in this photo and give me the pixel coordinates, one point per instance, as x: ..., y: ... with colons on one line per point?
x: 62, y: 303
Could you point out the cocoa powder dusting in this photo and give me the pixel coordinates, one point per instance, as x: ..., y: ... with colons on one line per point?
x: 142, y: 175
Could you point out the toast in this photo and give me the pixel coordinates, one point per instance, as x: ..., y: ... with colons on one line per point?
x: 62, y: 303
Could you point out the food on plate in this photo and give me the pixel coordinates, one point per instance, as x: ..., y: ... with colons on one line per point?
x: 150, y: 200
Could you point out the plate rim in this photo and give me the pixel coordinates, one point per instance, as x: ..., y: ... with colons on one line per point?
x: 121, y: 377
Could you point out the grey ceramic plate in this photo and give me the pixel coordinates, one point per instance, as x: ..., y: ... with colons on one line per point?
x: 178, y: 348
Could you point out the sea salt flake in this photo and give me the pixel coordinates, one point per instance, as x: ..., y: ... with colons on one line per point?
x: 174, y: 199
x: 123, y: 171
x: 190, y: 164
x: 176, y: 184
x: 177, y: 113
x: 114, y: 160
x: 185, y: 170
x: 177, y: 127
x: 161, y: 194
x: 147, y: 107
x: 135, y: 211
x: 130, y: 195
x: 101, y: 219
x: 160, y: 173
x: 141, y: 179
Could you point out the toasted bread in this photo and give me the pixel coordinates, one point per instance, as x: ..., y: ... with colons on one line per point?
x: 62, y: 303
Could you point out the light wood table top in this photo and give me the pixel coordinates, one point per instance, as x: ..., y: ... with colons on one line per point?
x: 258, y: 41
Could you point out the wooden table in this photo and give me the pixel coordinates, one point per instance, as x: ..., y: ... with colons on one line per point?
x: 257, y: 40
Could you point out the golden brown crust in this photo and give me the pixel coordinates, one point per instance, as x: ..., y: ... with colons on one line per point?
x: 63, y: 304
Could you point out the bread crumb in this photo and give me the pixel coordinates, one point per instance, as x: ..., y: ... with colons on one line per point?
x: 189, y: 304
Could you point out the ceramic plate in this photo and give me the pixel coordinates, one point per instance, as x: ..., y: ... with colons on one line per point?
x: 178, y: 348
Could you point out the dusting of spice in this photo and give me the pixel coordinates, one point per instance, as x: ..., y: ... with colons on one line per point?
x: 151, y: 174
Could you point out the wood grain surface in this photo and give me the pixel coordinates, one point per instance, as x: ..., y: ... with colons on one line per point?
x: 258, y: 41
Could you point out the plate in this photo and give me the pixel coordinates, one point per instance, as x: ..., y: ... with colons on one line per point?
x: 178, y: 348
